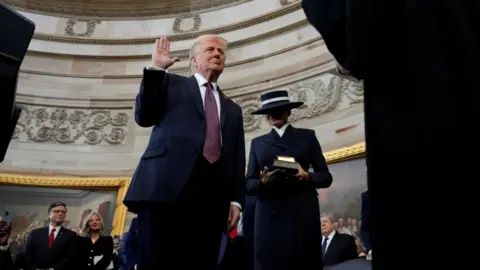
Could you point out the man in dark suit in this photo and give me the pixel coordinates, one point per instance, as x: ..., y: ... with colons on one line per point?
x: 430, y: 50
x: 192, y: 173
x: 336, y: 247
x: 132, y: 246
x: 51, y: 247
x: 6, y: 262
x: 12, y: 51
x: 365, y: 220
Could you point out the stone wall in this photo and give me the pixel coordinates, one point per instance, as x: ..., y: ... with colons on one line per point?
x: 78, y: 90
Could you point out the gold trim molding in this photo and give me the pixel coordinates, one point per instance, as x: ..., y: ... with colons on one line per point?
x: 177, y: 37
x: 346, y: 153
x: 120, y: 184
x: 118, y: 10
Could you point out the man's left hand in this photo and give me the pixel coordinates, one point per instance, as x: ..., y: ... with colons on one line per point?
x: 233, y: 217
x: 302, y: 174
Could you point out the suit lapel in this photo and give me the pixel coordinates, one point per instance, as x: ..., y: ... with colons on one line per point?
x: 332, y: 246
x: 197, y: 97
x: 45, y: 235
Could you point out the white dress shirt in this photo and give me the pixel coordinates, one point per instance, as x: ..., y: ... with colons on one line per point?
x: 330, y: 237
x: 203, y: 89
x: 240, y: 225
x: 57, y: 229
x: 281, y: 131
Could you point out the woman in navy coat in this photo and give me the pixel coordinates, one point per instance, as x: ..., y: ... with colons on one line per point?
x: 287, y: 216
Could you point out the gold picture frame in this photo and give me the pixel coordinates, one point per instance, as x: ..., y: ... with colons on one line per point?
x: 121, y: 183
x: 346, y: 153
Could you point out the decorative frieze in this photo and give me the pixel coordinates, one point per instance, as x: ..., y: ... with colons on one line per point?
x: 178, y: 26
x: 119, y: 8
x: 90, y: 26
x: 320, y: 94
x: 43, y: 124
x: 287, y: 2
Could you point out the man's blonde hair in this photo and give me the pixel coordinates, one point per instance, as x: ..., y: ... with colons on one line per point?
x: 202, y: 38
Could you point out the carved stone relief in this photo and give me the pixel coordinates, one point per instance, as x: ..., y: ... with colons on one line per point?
x: 41, y: 124
x: 89, y: 30
x: 119, y: 8
x: 179, y: 28
x: 72, y: 126
x: 287, y: 2
x: 321, y: 94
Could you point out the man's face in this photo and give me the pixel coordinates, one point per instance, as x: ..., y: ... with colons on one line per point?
x: 58, y: 214
x: 278, y: 118
x: 327, y: 225
x: 340, y: 222
x: 209, y: 56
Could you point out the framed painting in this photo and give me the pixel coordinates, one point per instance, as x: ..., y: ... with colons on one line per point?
x: 342, y: 199
x: 26, y: 199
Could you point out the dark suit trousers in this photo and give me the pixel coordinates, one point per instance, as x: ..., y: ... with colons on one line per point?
x: 186, y: 233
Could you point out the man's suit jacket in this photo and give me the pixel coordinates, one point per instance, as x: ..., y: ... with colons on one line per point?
x: 343, y: 26
x: 173, y: 105
x: 121, y: 259
x: 59, y: 257
x: 132, y: 246
x: 365, y: 219
x: 6, y: 262
x: 341, y: 248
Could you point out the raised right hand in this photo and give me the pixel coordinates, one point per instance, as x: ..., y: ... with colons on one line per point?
x: 161, y: 54
x: 268, y: 177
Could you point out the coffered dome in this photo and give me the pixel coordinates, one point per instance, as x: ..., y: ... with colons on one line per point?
x: 116, y: 9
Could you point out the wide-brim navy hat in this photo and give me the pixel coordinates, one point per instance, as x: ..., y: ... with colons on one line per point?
x: 276, y: 100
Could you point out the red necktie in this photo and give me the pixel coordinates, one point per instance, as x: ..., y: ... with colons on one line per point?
x: 233, y: 233
x: 212, y: 145
x: 51, y: 237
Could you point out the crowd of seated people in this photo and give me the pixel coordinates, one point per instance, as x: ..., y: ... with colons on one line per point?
x: 55, y: 247
x: 59, y: 248
x: 340, y: 243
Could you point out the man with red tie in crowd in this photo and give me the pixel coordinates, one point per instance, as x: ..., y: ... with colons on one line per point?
x: 51, y: 247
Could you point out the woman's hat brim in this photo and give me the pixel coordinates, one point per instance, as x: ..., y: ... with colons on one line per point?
x: 275, y: 106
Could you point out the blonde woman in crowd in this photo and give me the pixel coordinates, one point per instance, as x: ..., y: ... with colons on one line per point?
x: 95, y: 248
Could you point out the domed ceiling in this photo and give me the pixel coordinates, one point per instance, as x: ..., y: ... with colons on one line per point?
x: 118, y: 8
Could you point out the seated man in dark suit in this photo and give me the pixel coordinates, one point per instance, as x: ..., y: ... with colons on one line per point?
x: 51, y: 247
x: 336, y: 247
x: 6, y: 262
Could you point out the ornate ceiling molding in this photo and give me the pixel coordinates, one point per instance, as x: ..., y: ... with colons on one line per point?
x: 321, y: 94
x: 240, y: 92
x: 60, y: 125
x: 177, y: 37
x: 116, y: 10
x: 185, y: 71
x: 183, y: 54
